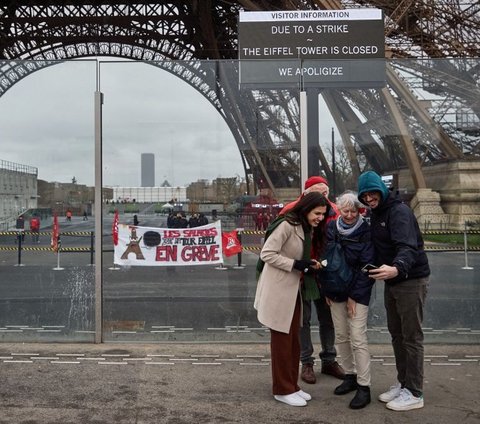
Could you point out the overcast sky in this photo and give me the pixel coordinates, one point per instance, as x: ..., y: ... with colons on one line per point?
x: 46, y: 121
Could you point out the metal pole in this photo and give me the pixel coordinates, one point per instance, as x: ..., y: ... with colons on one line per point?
x: 98, y: 98
x: 303, y: 139
x: 59, y: 247
x: 19, y: 238
x: 239, y: 254
x: 334, y: 166
x: 465, y: 247
x: 92, y: 238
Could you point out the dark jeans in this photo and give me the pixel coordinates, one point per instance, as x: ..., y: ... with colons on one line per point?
x: 404, y: 303
x: 326, y: 330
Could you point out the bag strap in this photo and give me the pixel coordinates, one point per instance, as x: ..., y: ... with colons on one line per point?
x: 274, y: 224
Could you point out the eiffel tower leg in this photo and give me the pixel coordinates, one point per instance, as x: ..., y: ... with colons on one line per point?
x: 426, y: 202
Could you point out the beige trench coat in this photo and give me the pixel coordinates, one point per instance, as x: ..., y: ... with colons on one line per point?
x: 279, y: 284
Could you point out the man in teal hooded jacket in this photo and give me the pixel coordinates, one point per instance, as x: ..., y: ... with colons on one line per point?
x: 403, y: 264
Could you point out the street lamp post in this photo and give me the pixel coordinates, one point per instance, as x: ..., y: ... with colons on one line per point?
x: 334, y: 185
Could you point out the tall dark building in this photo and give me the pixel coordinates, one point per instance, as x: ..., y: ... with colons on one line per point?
x: 148, y: 170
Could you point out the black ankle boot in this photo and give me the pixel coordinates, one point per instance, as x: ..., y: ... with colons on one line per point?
x: 348, y: 385
x: 361, y: 398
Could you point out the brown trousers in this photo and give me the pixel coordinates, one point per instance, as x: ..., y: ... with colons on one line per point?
x: 285, y: 354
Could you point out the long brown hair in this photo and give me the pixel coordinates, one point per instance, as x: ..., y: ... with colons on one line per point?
x: 298, y: 216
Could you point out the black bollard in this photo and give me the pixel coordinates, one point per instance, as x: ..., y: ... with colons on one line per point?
x: 92, y: 240
x: 19, y: 238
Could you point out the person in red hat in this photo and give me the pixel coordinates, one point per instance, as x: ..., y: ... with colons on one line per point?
x: 327, y: 332
x: 315, y: 183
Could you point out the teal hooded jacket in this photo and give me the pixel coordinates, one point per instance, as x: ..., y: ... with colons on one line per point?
x: 371, y: 181
x: 395, y: 232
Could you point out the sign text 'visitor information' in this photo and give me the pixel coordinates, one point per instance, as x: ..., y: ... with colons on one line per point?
x: 316, y: 48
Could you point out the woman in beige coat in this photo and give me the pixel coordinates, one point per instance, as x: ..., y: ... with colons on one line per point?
x: 286, y: 253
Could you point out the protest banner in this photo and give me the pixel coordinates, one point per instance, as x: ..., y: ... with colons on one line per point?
x: 150, y: 246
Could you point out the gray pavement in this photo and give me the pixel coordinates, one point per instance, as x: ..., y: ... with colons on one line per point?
x: 210, y: 383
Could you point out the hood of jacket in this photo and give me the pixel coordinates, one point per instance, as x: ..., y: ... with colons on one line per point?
x: 371, y: 181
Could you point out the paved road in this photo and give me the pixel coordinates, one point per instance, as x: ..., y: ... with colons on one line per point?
x: 210, y: 383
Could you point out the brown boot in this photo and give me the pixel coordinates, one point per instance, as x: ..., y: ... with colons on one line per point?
x: 333, y: 369
x: 308, y: 375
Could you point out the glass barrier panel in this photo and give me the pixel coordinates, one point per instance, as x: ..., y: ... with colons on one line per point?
x: 364, y: 125
x: 180, y: 141
x: 46, y: 170
x: 189, y: 141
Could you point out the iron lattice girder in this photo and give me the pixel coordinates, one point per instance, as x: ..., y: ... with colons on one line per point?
x: 437, y: 28
x: 207, y: 29
x: 25, y: 26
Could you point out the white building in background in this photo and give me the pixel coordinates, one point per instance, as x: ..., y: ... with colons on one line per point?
x: 148, y: 170
x: 18, y: 189
x: 149, y: 194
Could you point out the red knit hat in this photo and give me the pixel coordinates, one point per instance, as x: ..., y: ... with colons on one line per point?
x: 315, y: 180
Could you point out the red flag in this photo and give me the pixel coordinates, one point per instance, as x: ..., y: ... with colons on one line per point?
x: 55, y: 233
x: 115, y: 228
x: 231, y: 244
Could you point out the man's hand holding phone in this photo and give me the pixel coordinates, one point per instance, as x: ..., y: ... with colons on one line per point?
x: 384, y: 272
x: 369, y: 267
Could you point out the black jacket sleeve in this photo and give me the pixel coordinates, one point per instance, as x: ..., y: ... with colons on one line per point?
x: 404, y: 236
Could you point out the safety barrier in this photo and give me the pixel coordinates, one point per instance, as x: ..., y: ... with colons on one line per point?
x: 428, y: 232
x: 448, y: 232
x: 255, y: 247
x: 428, y: 247
x: 20, y: 245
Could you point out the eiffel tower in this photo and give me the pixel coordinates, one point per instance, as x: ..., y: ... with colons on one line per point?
x: 382, y: 129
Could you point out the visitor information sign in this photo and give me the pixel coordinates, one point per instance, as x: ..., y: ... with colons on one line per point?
x: 313, y: 48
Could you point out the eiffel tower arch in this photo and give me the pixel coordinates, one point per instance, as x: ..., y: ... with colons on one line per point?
x: 432, y: 49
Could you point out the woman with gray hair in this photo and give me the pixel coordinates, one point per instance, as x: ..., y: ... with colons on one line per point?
x: 350, y: 309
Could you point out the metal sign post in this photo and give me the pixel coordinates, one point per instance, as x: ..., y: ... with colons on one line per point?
x: 59, y: 246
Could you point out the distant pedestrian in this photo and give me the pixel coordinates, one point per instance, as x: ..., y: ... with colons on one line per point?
x: 193, y: 221
x: 259, y: 221
x: 171, y: 220
x: 69, y: 215
x: 202, y: 219
x: 85, y: 216
x: 35, y: 228
x: 180, y: 221
x: 135, y: 220
x: 265, y: 220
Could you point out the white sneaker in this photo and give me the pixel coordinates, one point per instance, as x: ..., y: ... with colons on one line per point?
x: 405, y: 401
x: 292, y: 399
x: 391, y: 393
x: 303, y: 395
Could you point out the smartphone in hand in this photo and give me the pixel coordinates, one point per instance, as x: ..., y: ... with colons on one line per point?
x: 368, y: 267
